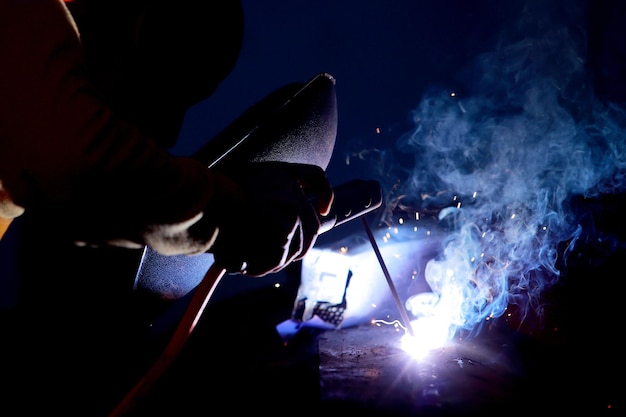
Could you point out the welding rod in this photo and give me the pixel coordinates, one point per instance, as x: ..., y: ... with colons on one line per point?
x: 403, y: 315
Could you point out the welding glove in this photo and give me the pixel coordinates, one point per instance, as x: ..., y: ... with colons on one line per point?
x: 273, y: 218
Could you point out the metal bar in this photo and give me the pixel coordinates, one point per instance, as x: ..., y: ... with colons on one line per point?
x: 403, y: 315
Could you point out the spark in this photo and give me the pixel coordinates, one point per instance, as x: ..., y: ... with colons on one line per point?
x: 394, y: 323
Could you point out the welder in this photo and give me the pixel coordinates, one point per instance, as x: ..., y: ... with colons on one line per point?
x: 92, y: 93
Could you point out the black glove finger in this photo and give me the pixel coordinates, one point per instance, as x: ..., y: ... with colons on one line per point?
x: 302, y: 228
x: 265, y: 260
x: 298, y: 243
x: 294, y: 239
x: 315, y: 184
x: 308, y: 228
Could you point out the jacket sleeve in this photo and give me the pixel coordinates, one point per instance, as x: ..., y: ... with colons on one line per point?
x: 65, y: 154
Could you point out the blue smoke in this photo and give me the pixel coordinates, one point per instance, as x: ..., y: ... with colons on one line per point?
x: 500, y: 163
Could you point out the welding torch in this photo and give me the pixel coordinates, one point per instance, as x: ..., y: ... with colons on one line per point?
x: 352, y: 200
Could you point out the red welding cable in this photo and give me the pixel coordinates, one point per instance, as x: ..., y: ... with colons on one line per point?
x: 185, y: 327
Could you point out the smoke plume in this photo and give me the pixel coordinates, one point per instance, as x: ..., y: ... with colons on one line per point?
x: 500, y: 163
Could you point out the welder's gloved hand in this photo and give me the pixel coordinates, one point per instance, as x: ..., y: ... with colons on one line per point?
x: 275, y: 220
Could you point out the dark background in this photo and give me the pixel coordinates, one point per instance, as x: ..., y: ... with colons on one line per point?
x: 384, y: 56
